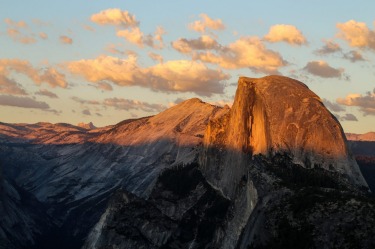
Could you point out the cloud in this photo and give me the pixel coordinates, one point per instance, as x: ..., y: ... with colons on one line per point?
x: 65, y: 39
x: 329, y: 47
x: 105, y: 86
x: 84, y: 101
x: 322, y: 69
x: 17, y: 36
x: 137, y: 37
x: 333, y: 106
x: 204, y: 42
x: 19, y: 24
x: 247, y: 52
x: 48, y: 75
x: 357, y: 34
x: 128, y: 27
x: 353, y: 56
x: 23, y: 102
x: 366, y: 102
x: 88, y: 28
x: 86, y: 112
x: 171, y: 76
x: 348, y: 117
x: 115, y: 17
x: 10, y: 86
x: 13, y: 31
x: 127, y: 104
x: 45, y: 92
x: 156, y: 57
x: 43, y: 35
x: 205, y: 23
x: 285, y: 33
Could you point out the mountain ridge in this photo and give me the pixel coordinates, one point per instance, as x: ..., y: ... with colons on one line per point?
x: 101, y: 187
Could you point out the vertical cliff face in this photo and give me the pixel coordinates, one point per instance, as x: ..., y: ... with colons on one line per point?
x: 269, y: 115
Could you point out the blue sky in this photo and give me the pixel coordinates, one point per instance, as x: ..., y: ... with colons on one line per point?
x: 106, y: 61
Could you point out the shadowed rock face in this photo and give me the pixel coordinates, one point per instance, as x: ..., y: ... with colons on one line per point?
x: 269, y: 115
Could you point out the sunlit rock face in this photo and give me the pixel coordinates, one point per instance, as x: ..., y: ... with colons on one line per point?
x: 269, y: 115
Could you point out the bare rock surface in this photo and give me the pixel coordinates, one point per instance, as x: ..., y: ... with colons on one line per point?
x: 275, y: 114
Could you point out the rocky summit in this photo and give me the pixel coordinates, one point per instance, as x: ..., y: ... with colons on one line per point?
x: 273, y: 171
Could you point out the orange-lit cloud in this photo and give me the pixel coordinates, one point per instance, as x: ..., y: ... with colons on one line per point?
x: 48, y: 75
x: 10, y: 86
x: 19, y: 37
x: 13, y: 31
x: 285, y: 33
x: 88, y: 28
x: 247, y: 52
x: 365, y: 102
x: 206, y: 23
x: 66, y: 39
x: 357, y: 34
x: 19, y: 24
x: 156, y: 57
x: 137, y: 37
x: 323, y: 69
x: 329, y: 47
x: 43, y: 35
x: 171, y: 76
x: 115, y: 17
x: 45, y: 92
x: 128, y: 27
x: 204, y: 42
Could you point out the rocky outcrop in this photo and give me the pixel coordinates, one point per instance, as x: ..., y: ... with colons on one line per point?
x: 271, y: 115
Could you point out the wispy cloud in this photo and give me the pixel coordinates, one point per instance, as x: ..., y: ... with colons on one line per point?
x: 329, y: 47
x: 353, y: 56
x: 45, y: 92
x: 127, y: 104
x: 9, y: 86
x: 204, y: 42
x: 348, y: 117
x: 24, y: 102
x: 128, y: 27
x: 323, y: 69
x: 84, y: 101
x: 156, y: 57
x: 86, y: 112
x: 16, y: 29
x: 206, y: 23
x: 333, y: 106
x: 66, y: 39
x: 48, y: 75
x: 285, y: 33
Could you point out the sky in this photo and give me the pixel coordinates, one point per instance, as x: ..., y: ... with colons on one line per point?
x: 106, y: 61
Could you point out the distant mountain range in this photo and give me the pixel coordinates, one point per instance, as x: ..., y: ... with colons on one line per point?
x: 369, y: 136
